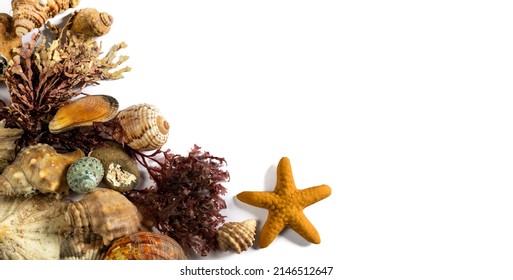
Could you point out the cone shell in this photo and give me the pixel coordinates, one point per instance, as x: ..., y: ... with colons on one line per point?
x: 8, y: 136
x: 105, y: 212
x: 145, y: 246
x: 236, y: 236
x: 83, y: 112
x: 144, y: 128
x: 38, y: 169
x: 91, y: 23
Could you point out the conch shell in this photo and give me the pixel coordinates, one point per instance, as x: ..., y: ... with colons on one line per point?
x: 8, y: 42
x: 32, y: 228
x: 30, y: 14
x: 105, y: 212
x: 38, y: 168
x: 145, y: 246
x: 91, y: 23
x: 144, y: 128
x: 8, y: 136
x: 83, y: 112
x: 236, y: 236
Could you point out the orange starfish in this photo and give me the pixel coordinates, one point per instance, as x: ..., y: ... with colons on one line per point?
x: 285, y: 205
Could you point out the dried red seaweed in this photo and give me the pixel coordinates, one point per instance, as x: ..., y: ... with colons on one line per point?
x: 186, y: 200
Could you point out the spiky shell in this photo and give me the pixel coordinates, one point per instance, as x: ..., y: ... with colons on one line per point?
x: 144, y: 128
x: 145, y: 246
x: 83, y: 112
x: 105, y: 212
x: 85, y: 174
x: 7, y: 146
x: 32, y: 228
x: 38, y: 168
x: 91, y: 23
x: 236, y: 236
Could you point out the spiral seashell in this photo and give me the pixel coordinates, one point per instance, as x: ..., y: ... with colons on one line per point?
x: 91, y: 23
x: 144, y: 128
x: 38, y: 168
x: 8, y: 42
x: 145, y: 246
x: 8, y: 136
x: 105, y: 212
x: 30, y: 14
x: 83, y: 112
x: 85, y: 174
x: 32, y: 228
x: 236, y: 236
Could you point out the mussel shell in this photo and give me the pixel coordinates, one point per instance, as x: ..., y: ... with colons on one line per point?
x: 83, y: 112
x: 145, y: 246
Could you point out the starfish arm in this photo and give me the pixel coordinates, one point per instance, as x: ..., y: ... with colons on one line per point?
x: 312, y: 195
x: 272, y: 227
x: 305, y: 228
x: 258, y: 199
x: 285, y: 180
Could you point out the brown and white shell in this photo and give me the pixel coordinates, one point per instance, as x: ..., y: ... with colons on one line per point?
x: 31, y: 14
x: 38, y: 169
x: 143, y: 127
x: 83, y: 245
x: 8, y: 136
x: 236, y: 236
x: 8, y: 42
x: 145, y: 246
x: 32, y: 228
x: 90, y: 22
x: 84, y: 112
x: 105, y: 212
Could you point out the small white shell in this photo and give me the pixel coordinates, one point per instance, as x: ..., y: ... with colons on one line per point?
x: 236, y: 236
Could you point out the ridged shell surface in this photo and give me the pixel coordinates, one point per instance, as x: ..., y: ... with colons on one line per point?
x: 85, y: 174
x: 90, y: 22
x: 236, y: 236
x: 144, y: 128
x: 83, y: 245
x: 8, y: 136
x: 83, y: 112
x: 145, y: 246
x: 105, y: 212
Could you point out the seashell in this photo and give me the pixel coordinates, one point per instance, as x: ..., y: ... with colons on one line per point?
x: 83, y: 246
x: 91, y: 23
x: 145, y: 246
x: 7, y: 146
x: 30, y: 14
x: 8, y: 42
x: 105, y: 212
x: 237, y: 236
x: 83, y: 112
x: 32, y: 228
x: 121, y: 173
x: 85, y: 174
x: 38, y: 168
x: 144, y: 128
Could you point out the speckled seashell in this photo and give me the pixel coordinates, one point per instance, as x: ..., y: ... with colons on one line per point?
x: 85, y: 174
x: 105, y: 212
x: 236, y: 236
x: 32, y: 228
x: 38, y: 168
x: 83, y: 112
x: 145, y: 246
x: 121, y: 172
x: 7, y: 146
x: 144, y: 128
x: 83, y: 245
x: 91, y: 23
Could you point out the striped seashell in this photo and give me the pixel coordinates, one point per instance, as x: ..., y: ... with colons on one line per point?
x: 145, y: 246
x: 143, y: 127
x: 236, y: 236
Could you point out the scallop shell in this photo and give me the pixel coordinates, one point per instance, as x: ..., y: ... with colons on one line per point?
x: 236, y: 236
x: 38, y: 168
x: 105, y: 212
x: 144, y: 128
x: 85, y: 174
x: 145, y: 246
x: 7, y: 146
x: 90, y: 22
x: 32, y: 228
x: 83, y: 112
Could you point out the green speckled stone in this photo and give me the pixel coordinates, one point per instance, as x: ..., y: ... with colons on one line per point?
x: 85, y: 174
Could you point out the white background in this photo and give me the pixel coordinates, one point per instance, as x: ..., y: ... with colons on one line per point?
x: 404, y: 108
